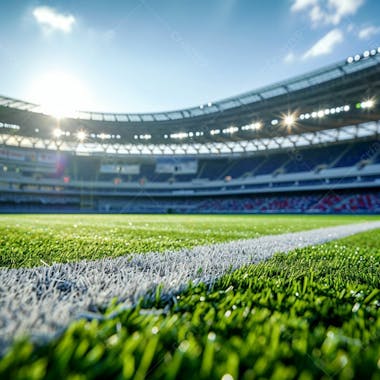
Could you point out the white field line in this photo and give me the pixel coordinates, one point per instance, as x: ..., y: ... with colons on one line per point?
x: 42, y: 301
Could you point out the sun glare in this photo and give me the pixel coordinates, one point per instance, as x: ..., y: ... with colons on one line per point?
x: 59, y: 94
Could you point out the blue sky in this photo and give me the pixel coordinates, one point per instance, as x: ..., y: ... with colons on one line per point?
x: 155, y: 55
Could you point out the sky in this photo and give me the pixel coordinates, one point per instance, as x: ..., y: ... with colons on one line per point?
x: 160, y: 55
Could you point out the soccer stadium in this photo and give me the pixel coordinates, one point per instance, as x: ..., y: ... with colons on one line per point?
x: 235, y: 239
x: 309, y: 144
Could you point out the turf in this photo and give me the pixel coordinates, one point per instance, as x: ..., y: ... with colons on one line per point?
x: 34, y: 240
x: 313, y: 313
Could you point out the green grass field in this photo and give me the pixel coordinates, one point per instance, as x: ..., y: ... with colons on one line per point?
x: 33, y: 240
x: 312, y: 313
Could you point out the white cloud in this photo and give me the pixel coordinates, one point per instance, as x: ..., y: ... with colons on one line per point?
x: 316, y: 15
x: 289, y: 58
x: 327, y: 12
x: 51, y: 20
x: 344, y: 8
x: 368, y: 32
x: 326, y: 44
x: 300, y: 5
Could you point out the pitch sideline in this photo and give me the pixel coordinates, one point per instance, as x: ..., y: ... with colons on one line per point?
x: 42, y: 301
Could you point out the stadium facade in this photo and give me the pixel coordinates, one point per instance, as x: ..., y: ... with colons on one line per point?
x: 308, y: 144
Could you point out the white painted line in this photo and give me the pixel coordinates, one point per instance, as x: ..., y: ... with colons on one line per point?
x: 42, y: 301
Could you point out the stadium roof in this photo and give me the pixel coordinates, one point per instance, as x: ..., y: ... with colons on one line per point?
x: 306, y: 104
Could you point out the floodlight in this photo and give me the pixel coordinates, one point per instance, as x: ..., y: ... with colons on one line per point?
x: 274, y: 122
x: 230, y: 130
x: 289, y: 120
x: 81, y: 135
x: 357, y: 57
x: 57, y: 133
x: 366, y: 54
x: 373, y: 52
x: 350, y: 59
x: 369, y: 103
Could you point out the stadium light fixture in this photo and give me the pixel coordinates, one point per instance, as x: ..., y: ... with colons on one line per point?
x: 252, y: 127
x: 230, y: 130
x: 369, y: 103
x: 9, y: 126
x: 179, y: 135
x: 58, y: 133
x: 366, y: 54
x: 274, y: 122
x: 289, y: 120
x: 81, y: 136
x: 258, y: 125
x: 145, y: 137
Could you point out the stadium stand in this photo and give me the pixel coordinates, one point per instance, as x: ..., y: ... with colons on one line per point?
x: 310, y: 144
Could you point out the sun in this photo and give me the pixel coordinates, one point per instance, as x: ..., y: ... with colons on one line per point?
x: 59, y: 94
